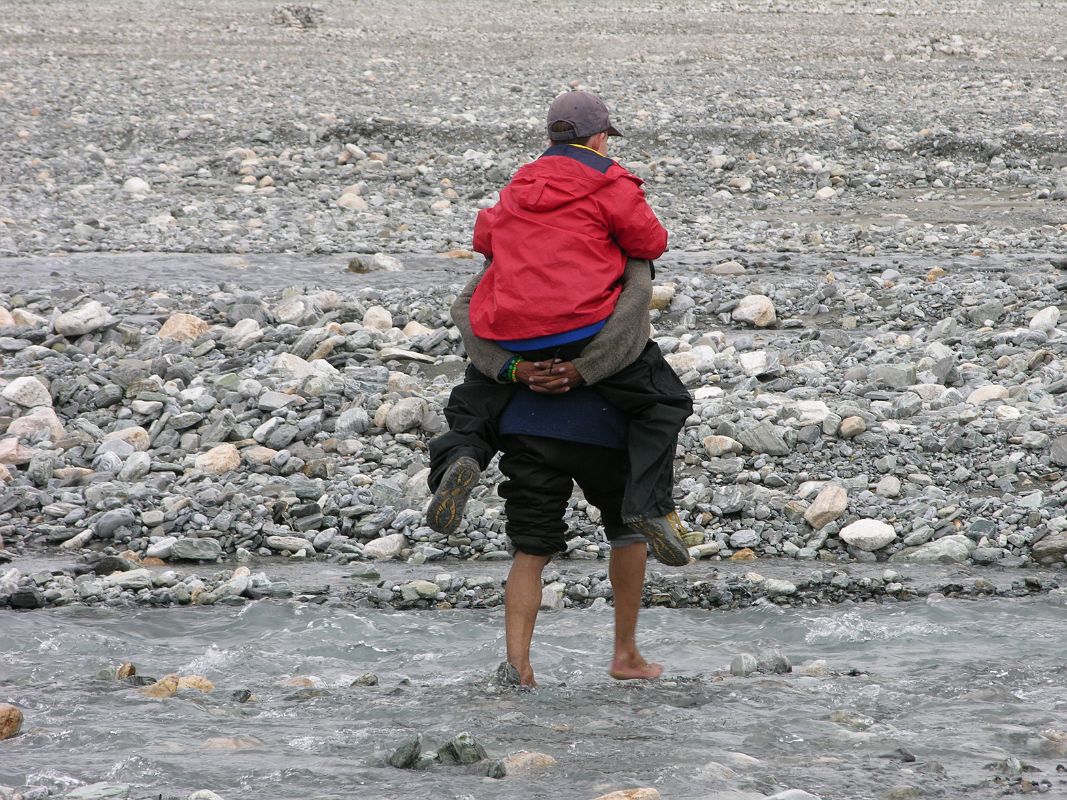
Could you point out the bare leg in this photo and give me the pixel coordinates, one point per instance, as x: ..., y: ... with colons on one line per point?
x: 522, y: 599
x: 627, y: 572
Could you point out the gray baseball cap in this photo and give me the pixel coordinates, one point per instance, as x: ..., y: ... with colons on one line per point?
x: 584, y: 112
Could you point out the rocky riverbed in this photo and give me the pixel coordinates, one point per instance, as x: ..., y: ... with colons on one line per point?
x: 229, y: 237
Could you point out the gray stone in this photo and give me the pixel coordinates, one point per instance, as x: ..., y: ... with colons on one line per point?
x: 744, y: 538
x: 290, y: 544
x: 773, y: 662
x: 894, y: 376
x: 950, y: 549
x: 764, y: 438
x: 111, y: 521
x: 1058, y: 451
x: 419, y: 590
x: 743, y: 665
x: 779, y: 588
x: 1052, y: 549
x: 99, y: 791
x: 189, y: 548
x: 461, y: 749
x: 406, y: 756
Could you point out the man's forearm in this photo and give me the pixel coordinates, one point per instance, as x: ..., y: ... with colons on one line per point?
x: 624, y: 336
x: 487, y: 356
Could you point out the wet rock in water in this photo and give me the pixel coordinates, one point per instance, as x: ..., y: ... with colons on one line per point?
x: 524, y: 762
x: 198, y: 682
x: 868, y: 534
x: 773, y: 662
x: 239, y: 742
x: 419, y: 590
x: 461, y: 749
x: 743, y: 665
x: 100, y: 791
x: 125, y: 670
x: 407, y: 755
x: 167, y: 686
x: 632, y: 794
x: 241, y: 695
x: 793, y: 794
x: 10, y: 721
x: 370, y: 679
x: 506, y: 676
x: 204, y: 794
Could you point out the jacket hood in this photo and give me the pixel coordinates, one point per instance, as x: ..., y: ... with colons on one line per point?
x: 554, y: 181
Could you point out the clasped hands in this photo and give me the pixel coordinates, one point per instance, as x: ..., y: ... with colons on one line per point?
x: 549, y: 377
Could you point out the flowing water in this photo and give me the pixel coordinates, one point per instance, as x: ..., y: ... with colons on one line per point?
x: 959, y: 684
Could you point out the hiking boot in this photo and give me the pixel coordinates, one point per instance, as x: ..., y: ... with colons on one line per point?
x: 446, y: 508
x: 665, y: 538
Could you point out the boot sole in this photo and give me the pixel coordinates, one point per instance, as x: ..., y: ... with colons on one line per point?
x: 446, y: 508
x: 667, y: 549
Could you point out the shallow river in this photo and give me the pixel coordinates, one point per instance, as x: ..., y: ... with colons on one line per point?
x: 958, y: 684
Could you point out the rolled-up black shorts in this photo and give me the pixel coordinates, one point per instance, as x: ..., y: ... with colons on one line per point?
x: 541, y: 474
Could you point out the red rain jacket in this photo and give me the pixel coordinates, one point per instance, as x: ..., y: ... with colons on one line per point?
x: 559, y: 238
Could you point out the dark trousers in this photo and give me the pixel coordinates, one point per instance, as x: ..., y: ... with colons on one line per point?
x: 541, y: 474
x: 648, y: 391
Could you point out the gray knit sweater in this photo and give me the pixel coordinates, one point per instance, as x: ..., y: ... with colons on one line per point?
x: 617, y: 345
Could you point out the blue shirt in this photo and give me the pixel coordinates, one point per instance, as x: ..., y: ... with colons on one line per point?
x: 580, y: 415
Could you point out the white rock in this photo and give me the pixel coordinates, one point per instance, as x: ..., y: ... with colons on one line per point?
x: 162, y: 548
x: 868, y: 534
x: 1046, y: 319
x: 290, y: 544
x: 986, y: 394
x: 662, y: 296
x: 754, y: 362
x: 136, y: 186
x: 811, y: 412
x: 90, y: 317
x: 27, y: 392
x: 219, y: 459
x: 828, y: 505
x: 6, y: 318
x: 414, y: 329
x: 386, y: 547
x: 825, y: 193
x: 134, y: 579
x: 889, y: 486
x: 756, y: 310
x: 294, y: 365
x: 183, y: 328
x: 377, y: 318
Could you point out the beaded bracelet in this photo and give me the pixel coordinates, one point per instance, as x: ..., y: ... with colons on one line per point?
x: 513, y: 368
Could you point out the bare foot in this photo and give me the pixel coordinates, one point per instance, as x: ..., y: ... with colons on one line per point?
x: 634, y: 668
x: 526, y: 678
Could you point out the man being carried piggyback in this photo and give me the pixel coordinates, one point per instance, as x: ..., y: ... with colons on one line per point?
x: 557, y: 245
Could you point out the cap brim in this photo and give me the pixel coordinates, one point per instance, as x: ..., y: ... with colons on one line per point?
x: 613, y: 131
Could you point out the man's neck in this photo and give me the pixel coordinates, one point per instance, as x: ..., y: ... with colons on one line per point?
x: 590, y: 149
